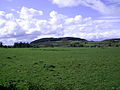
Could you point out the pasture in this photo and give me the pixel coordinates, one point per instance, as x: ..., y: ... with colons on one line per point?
x: 60, y: 68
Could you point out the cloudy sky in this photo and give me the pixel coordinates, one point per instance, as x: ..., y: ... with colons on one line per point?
x: 28, y: 20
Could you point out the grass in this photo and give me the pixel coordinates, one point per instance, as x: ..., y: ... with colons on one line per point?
x: 60, y: 69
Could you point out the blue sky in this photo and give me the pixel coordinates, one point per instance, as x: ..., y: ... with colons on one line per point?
x: 27, y: 20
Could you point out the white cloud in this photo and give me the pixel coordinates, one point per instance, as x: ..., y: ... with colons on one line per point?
x: 114, y: 1
x: 66, y: 3
x: 97, y: 5
x: 2, y: 14
x: 9, y: 16
x: 56, y: 18
x: 28, y: 26
x: 9, y: 0
x: 27, y: 13
x: 75, y: 20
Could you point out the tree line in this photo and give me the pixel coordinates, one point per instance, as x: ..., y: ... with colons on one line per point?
x: 16, y: 45
x: 63, y: 44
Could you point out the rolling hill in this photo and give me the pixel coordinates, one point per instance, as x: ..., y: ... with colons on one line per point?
x: 58, y: 42
x: 57, y: 39
x: 74, y: 42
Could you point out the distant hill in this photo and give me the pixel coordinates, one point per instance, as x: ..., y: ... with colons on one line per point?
x: 57, y: 39
x: 114, y: 39
x: 74, y: 42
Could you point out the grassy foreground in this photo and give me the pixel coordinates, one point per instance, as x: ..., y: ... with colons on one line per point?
x: 60, y: 69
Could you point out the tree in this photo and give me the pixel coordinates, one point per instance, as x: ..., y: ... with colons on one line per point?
x: 1, y: 45
x: 21, y: 45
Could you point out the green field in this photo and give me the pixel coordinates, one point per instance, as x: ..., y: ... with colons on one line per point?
x: 60, y: 68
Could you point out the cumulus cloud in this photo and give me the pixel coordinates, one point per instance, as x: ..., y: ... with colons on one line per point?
x: 28, y: 13
x: 98, y: 5
x: 28, y: 26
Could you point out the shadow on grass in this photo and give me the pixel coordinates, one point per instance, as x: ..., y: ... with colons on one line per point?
x: 36, y: 86
x: 10, y: 87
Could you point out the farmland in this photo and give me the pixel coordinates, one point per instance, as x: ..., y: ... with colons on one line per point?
x: 60, y: 68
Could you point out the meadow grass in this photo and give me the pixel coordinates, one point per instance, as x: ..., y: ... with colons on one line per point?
x: 60, y: 68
